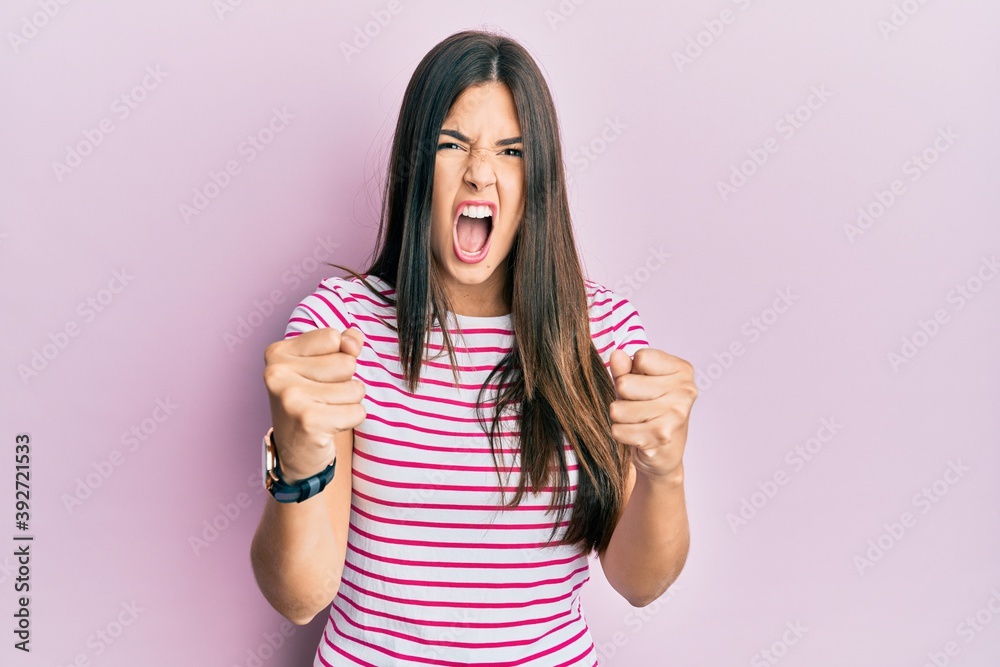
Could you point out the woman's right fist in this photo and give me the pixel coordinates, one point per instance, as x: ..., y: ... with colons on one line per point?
x: 313, y: 396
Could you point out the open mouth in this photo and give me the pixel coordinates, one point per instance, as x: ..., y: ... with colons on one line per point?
x: 473, y: 230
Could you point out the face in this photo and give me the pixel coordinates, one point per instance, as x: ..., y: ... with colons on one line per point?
x: 477, y: 164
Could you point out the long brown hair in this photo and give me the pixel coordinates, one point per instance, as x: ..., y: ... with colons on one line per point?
x: 554, y: 375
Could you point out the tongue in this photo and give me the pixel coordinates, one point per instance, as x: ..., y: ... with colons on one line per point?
x: 472, y: 233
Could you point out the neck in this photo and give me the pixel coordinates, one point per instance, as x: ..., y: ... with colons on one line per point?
x: 483, y: 300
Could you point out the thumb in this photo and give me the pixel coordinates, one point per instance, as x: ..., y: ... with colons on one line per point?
x: 621, y: 363
x: 356, y: 338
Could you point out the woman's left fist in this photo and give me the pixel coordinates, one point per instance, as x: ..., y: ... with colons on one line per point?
x: 655, y: 392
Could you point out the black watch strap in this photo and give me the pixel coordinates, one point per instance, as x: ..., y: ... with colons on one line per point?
x: 301, y: 490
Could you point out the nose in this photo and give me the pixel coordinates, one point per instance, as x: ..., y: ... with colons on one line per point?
x: 479, y: 173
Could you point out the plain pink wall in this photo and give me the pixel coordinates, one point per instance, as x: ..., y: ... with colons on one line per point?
x: 719, y: 153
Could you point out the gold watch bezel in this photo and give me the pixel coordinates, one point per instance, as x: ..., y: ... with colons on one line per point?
x: 270, y: 462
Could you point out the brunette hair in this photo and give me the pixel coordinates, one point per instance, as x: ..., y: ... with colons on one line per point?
x: 553, y: 374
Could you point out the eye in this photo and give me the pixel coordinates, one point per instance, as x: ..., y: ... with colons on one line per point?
x: 449, y: 144
x: 519, y: 152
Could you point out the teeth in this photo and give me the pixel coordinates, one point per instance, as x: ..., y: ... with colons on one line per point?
x: 477, y: 211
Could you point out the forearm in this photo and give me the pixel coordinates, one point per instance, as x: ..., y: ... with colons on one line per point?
x: 296, y: 558
x: 650, y: 543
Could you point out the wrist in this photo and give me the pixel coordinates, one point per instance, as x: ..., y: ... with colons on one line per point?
x: 671, y: 478
x: 286, y: 469
x: 286, y: 483
x: 292, y: 476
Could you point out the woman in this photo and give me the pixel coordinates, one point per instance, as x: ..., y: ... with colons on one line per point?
x: 468, y: 492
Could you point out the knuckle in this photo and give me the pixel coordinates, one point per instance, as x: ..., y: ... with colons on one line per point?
x: 309, y: 422
x: 272, y: 351
x: 291, y: 398
x: 271, y: 374
x: 662, y: 430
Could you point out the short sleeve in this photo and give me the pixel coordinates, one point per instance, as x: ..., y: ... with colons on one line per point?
x: 328, y: 306
x: 626, y: 325
x: 615, y: 322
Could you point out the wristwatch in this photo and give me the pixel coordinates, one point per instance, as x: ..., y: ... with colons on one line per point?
x: 282, y: 491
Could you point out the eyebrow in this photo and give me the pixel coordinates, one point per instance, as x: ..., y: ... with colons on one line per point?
x: 461, y: 137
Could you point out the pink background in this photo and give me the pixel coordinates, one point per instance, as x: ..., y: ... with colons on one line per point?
x: 647, y: 139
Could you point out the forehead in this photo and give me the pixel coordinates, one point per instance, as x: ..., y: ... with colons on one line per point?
x: 484, y: 105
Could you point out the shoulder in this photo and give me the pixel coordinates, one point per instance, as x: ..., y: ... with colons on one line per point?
x: 614, y: 320
x: 609, y: 310
x: 342, y: 303
x: 356, y: 296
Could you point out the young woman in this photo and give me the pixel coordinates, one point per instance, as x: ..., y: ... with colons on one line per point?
x: 444, y: 508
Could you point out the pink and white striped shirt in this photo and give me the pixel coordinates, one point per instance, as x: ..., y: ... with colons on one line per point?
x: 435, y: 574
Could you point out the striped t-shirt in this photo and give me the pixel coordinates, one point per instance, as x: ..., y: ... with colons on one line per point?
x: 435, y: 574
